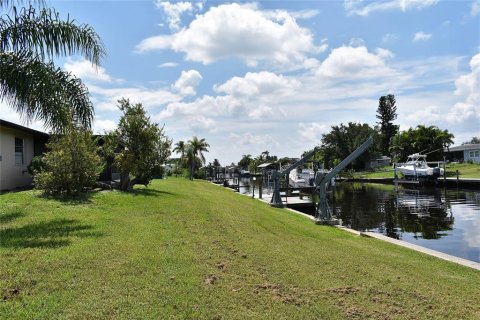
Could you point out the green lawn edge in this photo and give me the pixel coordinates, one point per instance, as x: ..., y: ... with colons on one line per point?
x: 193, y: 250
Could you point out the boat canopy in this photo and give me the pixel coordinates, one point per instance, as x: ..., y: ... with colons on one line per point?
x: 264, y: 165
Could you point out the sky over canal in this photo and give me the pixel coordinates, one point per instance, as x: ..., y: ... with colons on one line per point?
x: 275, y: 75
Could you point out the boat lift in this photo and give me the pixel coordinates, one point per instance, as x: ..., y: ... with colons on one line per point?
x: 322, y: 212
x: 276, y: 175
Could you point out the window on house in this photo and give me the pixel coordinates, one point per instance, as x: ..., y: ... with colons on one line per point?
x: 477, y: 154
x: 471, y: 154
x: 18, y: 151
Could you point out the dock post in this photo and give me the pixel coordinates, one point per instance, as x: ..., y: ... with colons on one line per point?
x: 444, y: 171
x: 253, y: 179
x: 457, y: 176
x: 260, y: 188
x: 395, y: 176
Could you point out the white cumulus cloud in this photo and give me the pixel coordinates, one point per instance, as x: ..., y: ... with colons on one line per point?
x: 421, y: 36
x: 174, y: 12
x: 87, y: 71
x: 260, y: 112
x: 253, y: 139
x: 188, y: 82
x: 468, y: 88
x: 242, y: 31
x: 107, y: 98
x: 201, y: 123
x: 355, y: 62
x: 100, y: 125
x: 261, y: 83
x: 312, y: 131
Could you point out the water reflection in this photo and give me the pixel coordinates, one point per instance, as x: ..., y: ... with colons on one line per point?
x: 417, y: 215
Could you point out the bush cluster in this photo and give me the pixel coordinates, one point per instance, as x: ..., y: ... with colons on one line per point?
x: 71, y: 166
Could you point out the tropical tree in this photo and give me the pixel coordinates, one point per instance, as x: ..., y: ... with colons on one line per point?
x: 386, y: 113
x: 180, y: 147
x: 427, y: 140
x: 30, y: 37
x: 343, y: 140
x: 144, y: 146
x: 195, y: 149
x: 474, y: 140
x: 245, y: 161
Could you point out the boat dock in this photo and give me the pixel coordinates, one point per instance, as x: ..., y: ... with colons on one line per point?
x: 447, y: 182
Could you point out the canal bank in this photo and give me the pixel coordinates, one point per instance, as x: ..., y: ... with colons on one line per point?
x: 427, y: 221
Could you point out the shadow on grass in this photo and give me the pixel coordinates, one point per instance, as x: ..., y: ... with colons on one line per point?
x: 6, y: 218
x: 149, y: 192
x: 51, y: 234
x: 83, y: 198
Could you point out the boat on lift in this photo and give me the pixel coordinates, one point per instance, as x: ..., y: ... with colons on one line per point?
x: 301, y: 178
x: 417, y: 167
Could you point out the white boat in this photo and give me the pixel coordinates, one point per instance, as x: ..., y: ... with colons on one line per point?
x: 301, y: 177
x: 306, y: 178
x: 417, y: 167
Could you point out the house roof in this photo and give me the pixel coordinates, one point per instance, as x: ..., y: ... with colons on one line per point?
x: 464, y: 147
x: 4, y: 123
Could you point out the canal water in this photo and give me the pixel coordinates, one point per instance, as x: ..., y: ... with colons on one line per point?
x: 446, y: 220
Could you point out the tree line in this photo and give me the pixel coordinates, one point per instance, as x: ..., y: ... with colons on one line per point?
x: 343, y: 139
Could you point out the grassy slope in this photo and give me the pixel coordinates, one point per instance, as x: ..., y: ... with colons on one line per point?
x: 185, y: 249
x: 467, y: 170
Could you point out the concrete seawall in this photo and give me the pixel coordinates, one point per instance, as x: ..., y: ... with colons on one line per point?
x: 448, y: 182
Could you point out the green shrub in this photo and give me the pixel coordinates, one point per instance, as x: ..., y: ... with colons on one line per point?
x: 37, y: 165
x: 71, y: 166
x: 200, y: 174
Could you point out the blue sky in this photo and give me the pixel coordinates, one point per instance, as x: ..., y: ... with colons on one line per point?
x: 276, y: 75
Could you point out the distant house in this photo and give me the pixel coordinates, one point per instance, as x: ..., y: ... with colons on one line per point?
x: 465, y: 152
x: 18, y: 145
x: 383, y: 161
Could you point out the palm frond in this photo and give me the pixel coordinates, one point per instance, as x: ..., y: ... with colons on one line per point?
x: 11, y: 3
x: 45, y: 34
x: 39, y: 90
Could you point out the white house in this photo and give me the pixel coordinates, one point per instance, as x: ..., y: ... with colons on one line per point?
x: 18, y: 145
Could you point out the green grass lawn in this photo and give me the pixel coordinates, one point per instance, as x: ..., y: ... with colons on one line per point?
x: 466, y: 170
x: 182, y: 249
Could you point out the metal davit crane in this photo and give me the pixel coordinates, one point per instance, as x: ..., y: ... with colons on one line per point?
x: 276, y: 198
x: 322, y: 212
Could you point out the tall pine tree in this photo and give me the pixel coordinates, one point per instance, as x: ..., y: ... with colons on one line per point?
x: 387, y: 113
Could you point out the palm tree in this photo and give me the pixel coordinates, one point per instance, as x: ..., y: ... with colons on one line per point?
x: 30, y: 37
x: 245, y: 161
x: 429, y: 140
x: 180, y: 147
x: 197, y: 148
